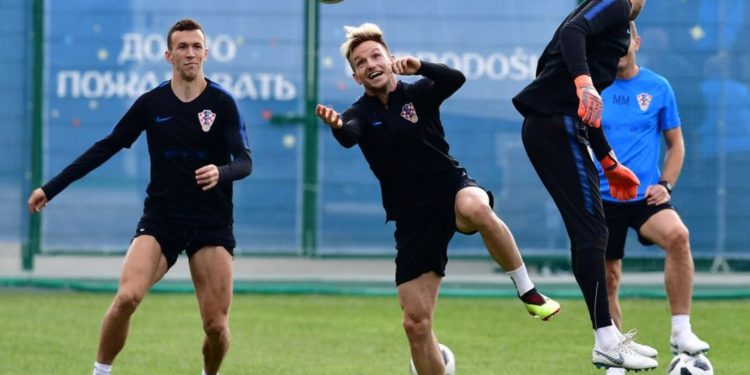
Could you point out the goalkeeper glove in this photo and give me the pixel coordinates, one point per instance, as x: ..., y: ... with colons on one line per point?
x: 589, y: 101
x: 623, y: 183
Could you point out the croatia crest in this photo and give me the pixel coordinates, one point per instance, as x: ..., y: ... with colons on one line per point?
x: 206, y: 117
x: 408, y: 112
x: 644, y: 100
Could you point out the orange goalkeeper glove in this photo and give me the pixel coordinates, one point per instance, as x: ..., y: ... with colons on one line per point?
x: 589, y: 101
x: 623, y: 183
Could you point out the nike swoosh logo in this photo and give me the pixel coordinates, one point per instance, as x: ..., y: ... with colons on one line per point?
x: 377, y: 123
x: 162, y: 119
x: 618, y: 361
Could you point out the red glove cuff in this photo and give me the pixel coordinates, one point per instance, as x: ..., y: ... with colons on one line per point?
x: 608, y: 163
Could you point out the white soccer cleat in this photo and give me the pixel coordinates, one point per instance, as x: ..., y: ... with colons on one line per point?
x: 623, y: 357
x: 688, y: 343
x: 641, y: 349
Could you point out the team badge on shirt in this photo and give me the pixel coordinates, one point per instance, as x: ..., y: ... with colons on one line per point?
x: 408, y: 112
x: 644, y: 100
x: 206, y: 117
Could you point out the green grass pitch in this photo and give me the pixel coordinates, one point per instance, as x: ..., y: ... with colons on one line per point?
x: 57, y: 333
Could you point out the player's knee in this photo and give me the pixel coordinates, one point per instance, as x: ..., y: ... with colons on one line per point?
x: 477, y: 213
x: 216, y: 328
x: 678, y: 239
x: 126, y: 302
x: 417, y: 326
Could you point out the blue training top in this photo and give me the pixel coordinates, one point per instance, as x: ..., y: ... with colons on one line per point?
x: 636, y: 111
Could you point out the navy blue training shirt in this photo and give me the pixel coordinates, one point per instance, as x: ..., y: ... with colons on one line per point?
x: 182, y: 137
x: 589, y: 41
x: 404, y: 141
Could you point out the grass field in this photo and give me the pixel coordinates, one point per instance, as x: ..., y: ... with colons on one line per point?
x: 57, y: 333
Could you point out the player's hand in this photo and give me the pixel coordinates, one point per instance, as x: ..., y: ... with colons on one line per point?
x: 656, y: 195
x: 37, y: 200
x: 329, y: 116
x: 406, y: 65
x: 589, y: 101
x: 207, y: 176
x: 623, y: 183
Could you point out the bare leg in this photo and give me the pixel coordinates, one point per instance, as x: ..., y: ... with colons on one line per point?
x: 144, y: 265
x: 211, y: 269
x: 473, y: 213
x: 418, y: 298
x: 614, y: 273
x: 666, y: 229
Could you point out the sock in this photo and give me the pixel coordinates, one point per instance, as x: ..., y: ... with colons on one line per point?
x: 521, y: 280
x: 533, y: 297
x: 619, y: 334
x: 606, y: 337
x: 680, y: 324
x: 102, y: 369
x: 616, y: 371
x: 204, y: 372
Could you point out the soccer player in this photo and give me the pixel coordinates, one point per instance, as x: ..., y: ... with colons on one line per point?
x: 424, y: 189
x: 198, y: 147
x: 639, y: 107
x: 561, y: 130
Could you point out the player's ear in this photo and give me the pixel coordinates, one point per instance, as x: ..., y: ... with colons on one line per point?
x: 168, y: 56
x: 637, y: 41
x: 356, y: 79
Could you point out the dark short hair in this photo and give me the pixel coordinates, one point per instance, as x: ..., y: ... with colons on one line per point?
x: 186, y: 24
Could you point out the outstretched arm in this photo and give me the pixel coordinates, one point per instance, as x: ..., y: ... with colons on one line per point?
x: 442, y: 80
x: 123, y: 135
x: 346, y: 128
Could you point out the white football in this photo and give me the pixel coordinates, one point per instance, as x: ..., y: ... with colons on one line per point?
x: 685, y: 364
x: 450, y: 361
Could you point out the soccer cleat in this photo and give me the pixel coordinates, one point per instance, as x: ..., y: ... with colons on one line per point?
x: 539, y: 305
x: 641, y: 349
x: 623, y: 357
x: 688, y: 343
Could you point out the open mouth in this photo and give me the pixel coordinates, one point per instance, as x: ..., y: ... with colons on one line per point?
x: 374, y: 75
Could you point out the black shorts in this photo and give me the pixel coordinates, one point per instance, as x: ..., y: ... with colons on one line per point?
x: 174, y: 238
x: 423, y: 233
x: 621, y: 216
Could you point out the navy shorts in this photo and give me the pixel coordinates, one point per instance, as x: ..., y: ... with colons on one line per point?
x: 175, y: 238
x: 422, y: 235
x: 623, y: 215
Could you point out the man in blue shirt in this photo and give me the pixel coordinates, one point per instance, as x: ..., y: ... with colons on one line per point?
x: 640, y: 106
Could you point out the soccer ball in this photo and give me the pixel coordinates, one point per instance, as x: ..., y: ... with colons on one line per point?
x: 450, y: 361
x: 684, y: 364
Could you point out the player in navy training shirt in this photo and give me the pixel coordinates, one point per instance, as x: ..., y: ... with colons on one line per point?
x: 424, y: 189
x: 561, y: 131
x: 197, y: 147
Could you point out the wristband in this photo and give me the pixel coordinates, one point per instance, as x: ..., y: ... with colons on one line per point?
x: 667, y: 185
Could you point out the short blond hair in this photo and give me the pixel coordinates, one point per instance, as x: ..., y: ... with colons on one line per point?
x: 356, y: 35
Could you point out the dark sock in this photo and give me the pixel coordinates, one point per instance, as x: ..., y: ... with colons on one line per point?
x: 533, y: 297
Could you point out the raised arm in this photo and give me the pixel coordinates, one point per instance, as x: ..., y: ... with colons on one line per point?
x: 442, y: 80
